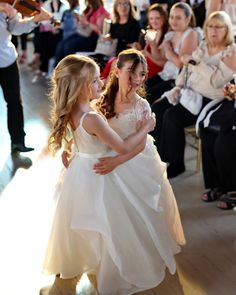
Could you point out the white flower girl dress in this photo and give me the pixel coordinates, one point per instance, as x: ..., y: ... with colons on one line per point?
x: 124, y: 226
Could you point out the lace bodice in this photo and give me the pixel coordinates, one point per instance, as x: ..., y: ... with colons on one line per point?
x: 125, y: 123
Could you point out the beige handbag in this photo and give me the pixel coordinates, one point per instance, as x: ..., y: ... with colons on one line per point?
x: 106, y: 46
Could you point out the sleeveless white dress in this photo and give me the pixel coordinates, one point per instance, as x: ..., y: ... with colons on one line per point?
x: 124, y: 226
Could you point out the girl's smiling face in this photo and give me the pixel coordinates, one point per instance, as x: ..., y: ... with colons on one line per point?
x: 129, y: 78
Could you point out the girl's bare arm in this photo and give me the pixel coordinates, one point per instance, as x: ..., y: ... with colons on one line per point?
x: 96, y: 125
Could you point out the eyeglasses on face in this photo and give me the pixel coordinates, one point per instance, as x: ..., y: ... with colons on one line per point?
x: 124, y: 4
x: 211, y: 27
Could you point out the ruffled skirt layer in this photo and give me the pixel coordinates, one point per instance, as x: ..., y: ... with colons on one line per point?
x: 124, y: 226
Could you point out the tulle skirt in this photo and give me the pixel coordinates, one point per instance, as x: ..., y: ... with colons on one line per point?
x: 124, y: 226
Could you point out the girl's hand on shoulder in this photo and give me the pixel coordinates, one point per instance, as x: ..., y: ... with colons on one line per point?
x: 149, y: 122
x: 9, y: 10
x: 105, y: 165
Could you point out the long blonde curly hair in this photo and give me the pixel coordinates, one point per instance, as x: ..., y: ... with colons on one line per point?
x: 70, y: 85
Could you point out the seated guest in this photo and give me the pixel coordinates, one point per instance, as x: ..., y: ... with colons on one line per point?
x: 125, y: 28
x: 151, y: 38
x: 154, y: 36
x: 209, y: 68
x: 217, y: 129
x: 182, y: 39
x: 89, y: 27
